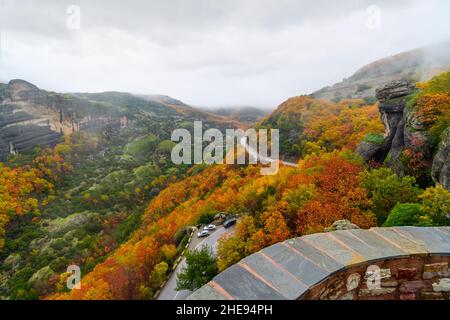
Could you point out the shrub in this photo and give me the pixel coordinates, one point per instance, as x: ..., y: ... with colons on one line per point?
x: 141, y: 147
x: 374, y: 138
x: 432, y: 105
x: 180, y: 235
x: 207, y: 215
x: 182, y: 244
x: 201, y: 267
x: 386, y: 189
x: 407, y: 214
x: 436, y: 205
x: 165, y: 146
x: 206, y: 218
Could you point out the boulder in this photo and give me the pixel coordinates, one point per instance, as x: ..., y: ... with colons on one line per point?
x: 341, y: 225
x: 392, y: 96
x: 368, y: 150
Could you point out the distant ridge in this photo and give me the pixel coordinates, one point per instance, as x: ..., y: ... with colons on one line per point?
x: 415, y: 65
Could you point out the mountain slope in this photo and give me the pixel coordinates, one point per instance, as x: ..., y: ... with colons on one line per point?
x: 307, y: 125
x: 31, y: 117
x: 416, y: 65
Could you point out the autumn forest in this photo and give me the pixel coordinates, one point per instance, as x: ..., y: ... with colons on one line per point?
x: 111, y: 201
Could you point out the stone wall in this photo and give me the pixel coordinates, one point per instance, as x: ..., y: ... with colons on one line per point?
x: 424, y: 278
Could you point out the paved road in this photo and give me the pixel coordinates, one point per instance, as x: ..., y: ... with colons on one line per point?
x: 254, y: 153
x: 169, y: 292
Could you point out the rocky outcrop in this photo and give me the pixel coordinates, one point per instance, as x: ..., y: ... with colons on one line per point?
x: 369, y: 150
x: 405, y: 131
x: 341, y: 225
x: 31, y: 117
x: 392, y: 99
x: 440, y: 171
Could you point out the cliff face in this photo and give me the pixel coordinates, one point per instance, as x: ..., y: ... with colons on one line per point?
x: 440, y: 171
x: 404, y: 131
x: 31, y: 117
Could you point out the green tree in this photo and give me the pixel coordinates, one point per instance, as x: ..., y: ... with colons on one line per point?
x: 436, y: 204
x: 230, y: 251
x: 145, y: 173
x: 386, y: 189
x: 201, y: 268
x: 165, y: 147
x: 207, y: 214
x: 407, y: 214
x: 142, y: 147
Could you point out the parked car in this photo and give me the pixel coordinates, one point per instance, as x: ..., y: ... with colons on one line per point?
x: 210, y: 227
x: 203, y: 233
x: 229, y: 223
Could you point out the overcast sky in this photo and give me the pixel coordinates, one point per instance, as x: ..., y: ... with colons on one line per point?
x: 209, y: 52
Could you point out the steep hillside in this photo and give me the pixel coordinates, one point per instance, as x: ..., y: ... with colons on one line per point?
x: 326, y: 187
x: 307, y: 125
x: 109, y: 199
x: 416, y: 65
x: 78, y: 201
x: 332, y: 183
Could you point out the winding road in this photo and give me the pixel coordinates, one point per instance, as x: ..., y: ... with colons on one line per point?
x: 169, y: 292
x: 254, y: 153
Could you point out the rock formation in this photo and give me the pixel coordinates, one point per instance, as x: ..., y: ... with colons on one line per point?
x: 404, y: 131
x: 392, y: 101
x: 341, y: 225
x: 440, y: 171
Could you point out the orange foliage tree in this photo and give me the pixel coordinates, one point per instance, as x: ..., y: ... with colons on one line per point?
x: 339, y: 194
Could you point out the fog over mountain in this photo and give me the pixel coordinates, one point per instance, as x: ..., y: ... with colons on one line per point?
x: 209, y: 53
x: 414, y: 66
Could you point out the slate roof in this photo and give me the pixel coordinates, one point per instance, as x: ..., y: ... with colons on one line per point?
x: 288, y: 269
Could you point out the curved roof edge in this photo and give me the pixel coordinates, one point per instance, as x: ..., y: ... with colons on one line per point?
x: 287, y: 270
